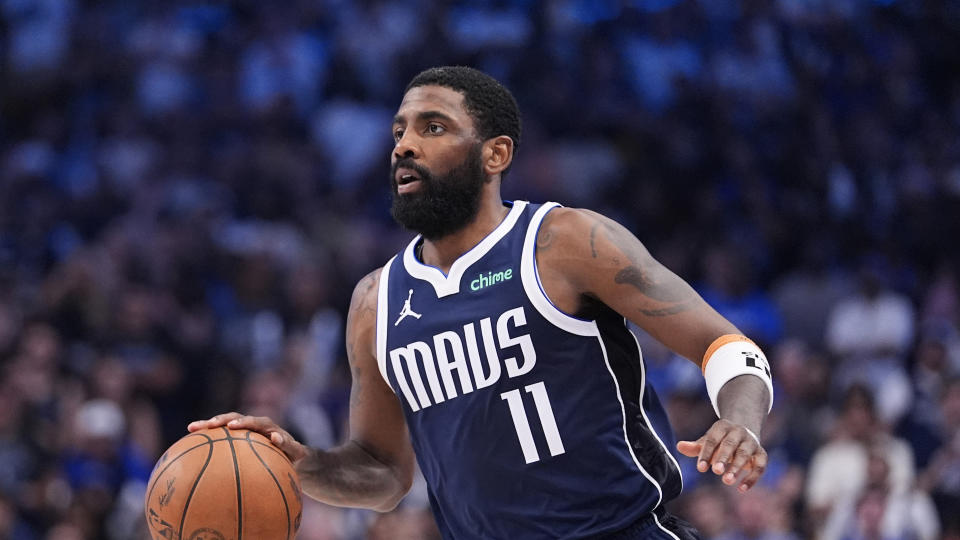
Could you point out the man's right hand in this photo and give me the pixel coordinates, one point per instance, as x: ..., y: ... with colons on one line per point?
x: 261, y: 424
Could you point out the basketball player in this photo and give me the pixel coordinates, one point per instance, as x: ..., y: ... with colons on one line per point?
x: 494, y: 350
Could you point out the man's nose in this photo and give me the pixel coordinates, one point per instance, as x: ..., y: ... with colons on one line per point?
x: 405, y: 148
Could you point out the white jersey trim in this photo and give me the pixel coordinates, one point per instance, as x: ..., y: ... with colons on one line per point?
x: 623, y: 413
x: 643, y: 390
x: 532, y: 286
x: 445, y: 285
x: 666, y: 530
x: 382, y: 320
x: 626, y: 438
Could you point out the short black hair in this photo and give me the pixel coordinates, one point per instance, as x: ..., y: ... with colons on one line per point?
x: 489, y: 103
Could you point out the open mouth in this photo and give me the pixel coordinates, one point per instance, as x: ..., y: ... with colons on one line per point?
x: 407, y: 180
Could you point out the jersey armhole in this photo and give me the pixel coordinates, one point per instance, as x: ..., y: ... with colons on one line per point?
x: 530, y: 276
x: 382, y: 316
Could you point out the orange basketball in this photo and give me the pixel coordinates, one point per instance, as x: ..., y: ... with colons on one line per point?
x: 223, y: 484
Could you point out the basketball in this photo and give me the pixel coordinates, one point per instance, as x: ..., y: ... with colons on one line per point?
x: 223, y: 484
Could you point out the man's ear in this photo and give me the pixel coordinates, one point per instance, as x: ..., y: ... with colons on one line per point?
x: 497, y: 154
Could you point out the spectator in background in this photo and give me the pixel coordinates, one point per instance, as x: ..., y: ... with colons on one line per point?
x: 942, y: 476
x: 941, y: 303
x: 931, y: 374
x: 94, y: 463
x: 806, y: 295
x: 711, y: 512
x: 138, y: 337
x: 940, y: 316
x: 870, y: 332
x: 879, y: 512
x: 763, y: 515
x: 839, y: 469
x: 799, y: 416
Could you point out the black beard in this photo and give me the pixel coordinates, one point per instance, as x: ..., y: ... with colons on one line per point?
x: 444, y: 204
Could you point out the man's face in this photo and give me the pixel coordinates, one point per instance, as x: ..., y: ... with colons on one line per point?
x: 436, y: 171
x: 859, y: 419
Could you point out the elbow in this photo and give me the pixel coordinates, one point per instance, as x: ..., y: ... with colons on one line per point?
x: 403, y: 481
x: 390, y: 504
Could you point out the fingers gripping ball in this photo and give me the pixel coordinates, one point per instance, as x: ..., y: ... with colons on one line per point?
x: 223, y: 484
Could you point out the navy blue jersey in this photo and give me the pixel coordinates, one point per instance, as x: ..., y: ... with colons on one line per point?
x: 526, y: 422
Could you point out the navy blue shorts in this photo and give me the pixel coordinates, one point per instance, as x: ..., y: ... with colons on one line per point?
x: 670, y: 527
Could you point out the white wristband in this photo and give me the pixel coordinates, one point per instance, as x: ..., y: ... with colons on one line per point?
x: 731, y: 356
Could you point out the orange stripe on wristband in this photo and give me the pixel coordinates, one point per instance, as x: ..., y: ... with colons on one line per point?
x: 720, y: 342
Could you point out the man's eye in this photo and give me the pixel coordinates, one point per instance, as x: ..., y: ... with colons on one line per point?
x: 435, y: 129
x: 397, y: 134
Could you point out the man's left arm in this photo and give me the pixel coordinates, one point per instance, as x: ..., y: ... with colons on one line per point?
x: 584, y: 256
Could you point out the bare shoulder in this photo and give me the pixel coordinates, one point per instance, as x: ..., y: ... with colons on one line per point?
x: 590, y: 251
x: 580, y: 234
x: 561, y: 228
x: 365, y: 293
x: 567, y: 253
x: 561, y: 222
x: 362, y: 316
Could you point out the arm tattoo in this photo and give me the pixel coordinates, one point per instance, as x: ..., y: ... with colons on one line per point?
x: 593, y: 236
x: 544, y: 239
x: 545, y: 236
x: 369, y: 300
x: 672, y: 310
x: 648, y: 277
x: 631, y: 275
x: 356, y: 389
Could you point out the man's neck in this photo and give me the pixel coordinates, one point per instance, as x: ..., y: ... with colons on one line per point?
x: 442, y: 252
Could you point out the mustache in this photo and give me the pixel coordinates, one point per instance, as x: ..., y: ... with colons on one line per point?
x: 409, y: 163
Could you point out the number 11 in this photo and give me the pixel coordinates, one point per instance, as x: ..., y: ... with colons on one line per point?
x: 549, y: 423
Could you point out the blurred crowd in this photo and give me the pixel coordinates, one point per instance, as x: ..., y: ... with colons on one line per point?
x: 190, y: 190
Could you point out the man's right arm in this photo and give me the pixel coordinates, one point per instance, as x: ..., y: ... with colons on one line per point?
x: 374, y: 468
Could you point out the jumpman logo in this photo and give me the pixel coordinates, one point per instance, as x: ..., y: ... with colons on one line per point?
x: 407, y: 310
